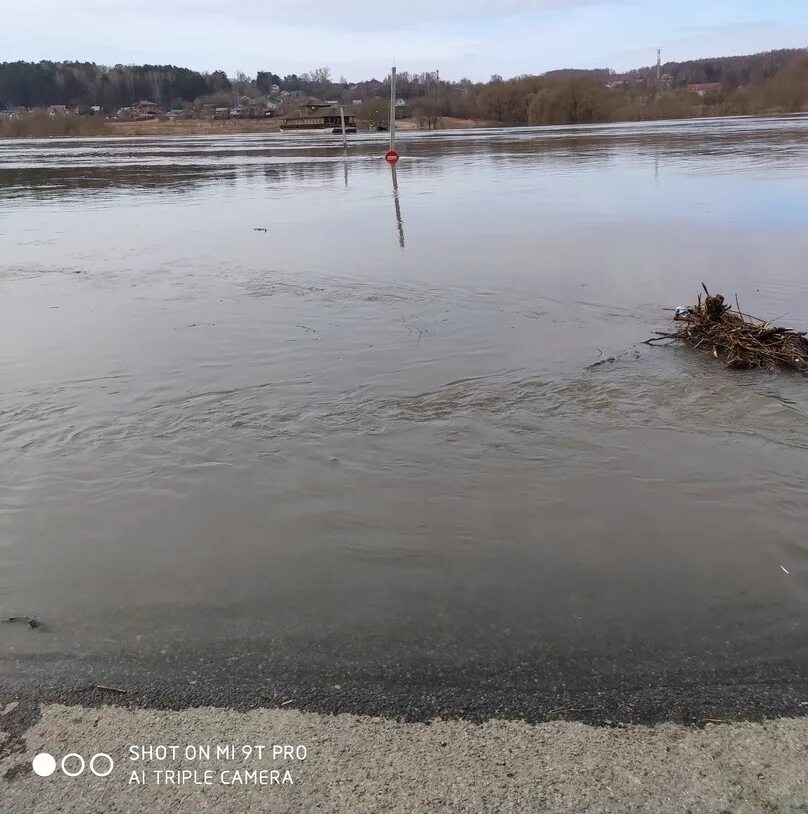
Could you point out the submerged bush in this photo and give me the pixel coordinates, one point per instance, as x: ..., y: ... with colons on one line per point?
x: 42, y: 125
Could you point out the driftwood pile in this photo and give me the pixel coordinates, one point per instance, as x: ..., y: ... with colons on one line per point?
x: 739, y: 340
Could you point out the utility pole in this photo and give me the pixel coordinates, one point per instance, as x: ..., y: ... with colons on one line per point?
x: 342, y: 122
x: 658, y: 65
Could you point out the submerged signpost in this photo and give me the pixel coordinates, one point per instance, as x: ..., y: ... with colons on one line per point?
x: 392, y: 156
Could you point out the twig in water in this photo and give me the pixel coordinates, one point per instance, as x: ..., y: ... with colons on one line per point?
x: 31, y: 621
x: 612, y: 359
x: 105, y: 688
x: 572, y: 709
x: 410, y: 330
x: 659, y: 338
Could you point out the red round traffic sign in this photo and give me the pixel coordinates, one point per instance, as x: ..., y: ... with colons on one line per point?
x: 391, y: 156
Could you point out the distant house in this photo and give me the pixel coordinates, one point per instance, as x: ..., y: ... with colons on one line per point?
x: 57, y: 110
x: 249, y: 108
x: 704, y: 88
x: 146, y: 110
x: 315, y: 114
x: 665, y: 81
x: 13, y: 113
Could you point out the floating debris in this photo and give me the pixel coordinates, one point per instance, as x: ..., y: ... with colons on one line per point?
x: 29, y: 620
x: 608, y: 360
x: 741, y: 341
x: 785, y: 571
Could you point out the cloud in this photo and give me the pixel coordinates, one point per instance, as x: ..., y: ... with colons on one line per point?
x: 358, y: 14
x: 726, y: 28
x: 360, y: 38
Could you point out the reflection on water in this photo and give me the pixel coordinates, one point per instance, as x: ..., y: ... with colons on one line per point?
x: 236, y: 405
x: 397, y: 201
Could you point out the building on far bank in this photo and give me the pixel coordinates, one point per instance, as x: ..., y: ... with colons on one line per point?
x: 314, y: 114
x: 57, y: 110
x: 704, y: 88
x: 146, y: 110
x: 14, y: 112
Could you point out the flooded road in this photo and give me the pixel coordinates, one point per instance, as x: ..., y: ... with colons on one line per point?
x: 267, y: 422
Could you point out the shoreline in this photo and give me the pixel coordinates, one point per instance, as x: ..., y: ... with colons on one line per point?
x: 235, y: 127
x: 621, y: 694
x: 212, y: 127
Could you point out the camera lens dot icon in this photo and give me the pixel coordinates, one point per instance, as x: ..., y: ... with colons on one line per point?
x: 44, y: 764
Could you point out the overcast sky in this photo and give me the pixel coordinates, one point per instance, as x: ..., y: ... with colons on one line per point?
x: 360, y: 39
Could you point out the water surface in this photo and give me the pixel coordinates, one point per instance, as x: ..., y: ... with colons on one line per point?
x: 370, y: 440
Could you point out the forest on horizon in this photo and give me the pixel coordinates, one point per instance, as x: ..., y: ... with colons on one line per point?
x: 774, y: 81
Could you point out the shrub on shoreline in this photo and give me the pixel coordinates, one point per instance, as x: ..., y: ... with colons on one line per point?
x: 41, y: 125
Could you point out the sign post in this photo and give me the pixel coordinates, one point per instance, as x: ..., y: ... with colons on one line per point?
x: 391, y: 156
x: 393, y: 109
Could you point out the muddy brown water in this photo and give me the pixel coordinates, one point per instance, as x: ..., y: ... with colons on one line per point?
x: 373, y: 428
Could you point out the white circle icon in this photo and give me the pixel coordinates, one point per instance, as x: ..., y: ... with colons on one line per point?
x: 110, y: 765
x: 44, y: 764
x: 80, y: 760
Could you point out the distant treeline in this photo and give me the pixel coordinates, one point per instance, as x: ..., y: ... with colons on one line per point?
x: 775, y: 81
x: 83, y: 84
x: 778, y: 83
x: 771, y: 82
x: 729, y: 71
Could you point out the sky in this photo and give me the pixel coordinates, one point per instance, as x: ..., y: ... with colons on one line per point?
x: 362, y: 38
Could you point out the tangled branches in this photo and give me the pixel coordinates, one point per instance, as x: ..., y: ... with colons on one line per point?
x: 741, y: 341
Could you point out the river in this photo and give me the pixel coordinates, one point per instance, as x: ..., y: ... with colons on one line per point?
x: 271, y: 417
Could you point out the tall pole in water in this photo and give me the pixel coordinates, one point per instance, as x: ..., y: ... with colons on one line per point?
x: 342, y: 122
x: 393, y: 108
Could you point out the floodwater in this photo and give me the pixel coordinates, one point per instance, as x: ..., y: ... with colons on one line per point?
x: 257, y: 394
